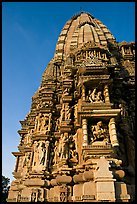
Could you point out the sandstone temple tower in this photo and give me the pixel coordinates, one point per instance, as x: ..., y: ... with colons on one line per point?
x: 77, y: 141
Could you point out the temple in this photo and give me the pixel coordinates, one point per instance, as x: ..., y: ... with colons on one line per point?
x: 77, y: 142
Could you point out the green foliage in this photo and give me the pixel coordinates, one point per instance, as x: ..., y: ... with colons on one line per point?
x: 5, y: 188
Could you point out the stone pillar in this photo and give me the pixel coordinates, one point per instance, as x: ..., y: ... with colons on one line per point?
x: 121, y: 192
x: 47, y: 152
x: 112, y: 132
x: 105, y: 190
x: 85, y: 132
x: 17, y: 162
x: 83, y: 93
x: 106, y: 94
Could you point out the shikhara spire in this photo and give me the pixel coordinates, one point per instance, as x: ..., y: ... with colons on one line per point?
x: 75, y: 143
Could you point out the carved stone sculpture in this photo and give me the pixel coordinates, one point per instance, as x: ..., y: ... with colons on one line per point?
x: 95, y: 96
x: 67, y: 113
x: 42, y: 151
x: 64, y: 147
x: 99, y: 133
x: 36, y: 153
x: 92, y: 96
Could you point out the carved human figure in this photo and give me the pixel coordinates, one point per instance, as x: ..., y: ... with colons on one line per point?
x: 64, y: 147
x: 76, y: 111
x: 75, y: 138
x: 66, y: 92
x: 62, y: 113
x: 42, y: 152
x: 38, y: 122
x: 92, y: 95
x: 67, y: 112
x: 27, y: 159
x: 44, y: 123
x: 95, y: 96
x: 36, y: 153
x: 57, y: 124
x: 28, y: 138
x: 56, y: 152
x: 33, y: 197
x: 74, y: 155
x: 99, y: 97
x: 98, y: 131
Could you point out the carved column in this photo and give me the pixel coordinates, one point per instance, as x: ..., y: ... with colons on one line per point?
x: 83, y: 93
x: 112, y: 132
x: 85, y: 132
x: 47, y: 151
x: 17, y: 162
x: 106, y: 94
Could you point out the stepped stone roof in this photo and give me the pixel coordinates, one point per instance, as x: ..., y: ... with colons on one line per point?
x: 79, y: 30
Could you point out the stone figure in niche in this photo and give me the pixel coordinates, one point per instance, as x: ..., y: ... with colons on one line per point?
x: 28, y: 138
x: 36, y: 153
x: 95, y: 96
x: 46, y: 123
x: 62, y: 113
x: 73, y: 155
x: 27, y: 159
x: 33, y: 197
x: 92, y: 95
x: 38, y: 122
x: 63, y: 151
x: 66, y: 92
x: 99, y: 132
x: 42, y: 152
x: 99, y: 97
x: 67, y: 112
x: 73, y: 150
x: 57, y: 124
x: 75, y: 138
x: 76, y: 111
x: 56, y: 152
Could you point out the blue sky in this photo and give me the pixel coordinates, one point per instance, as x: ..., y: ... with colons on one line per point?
x: 29, y: 36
